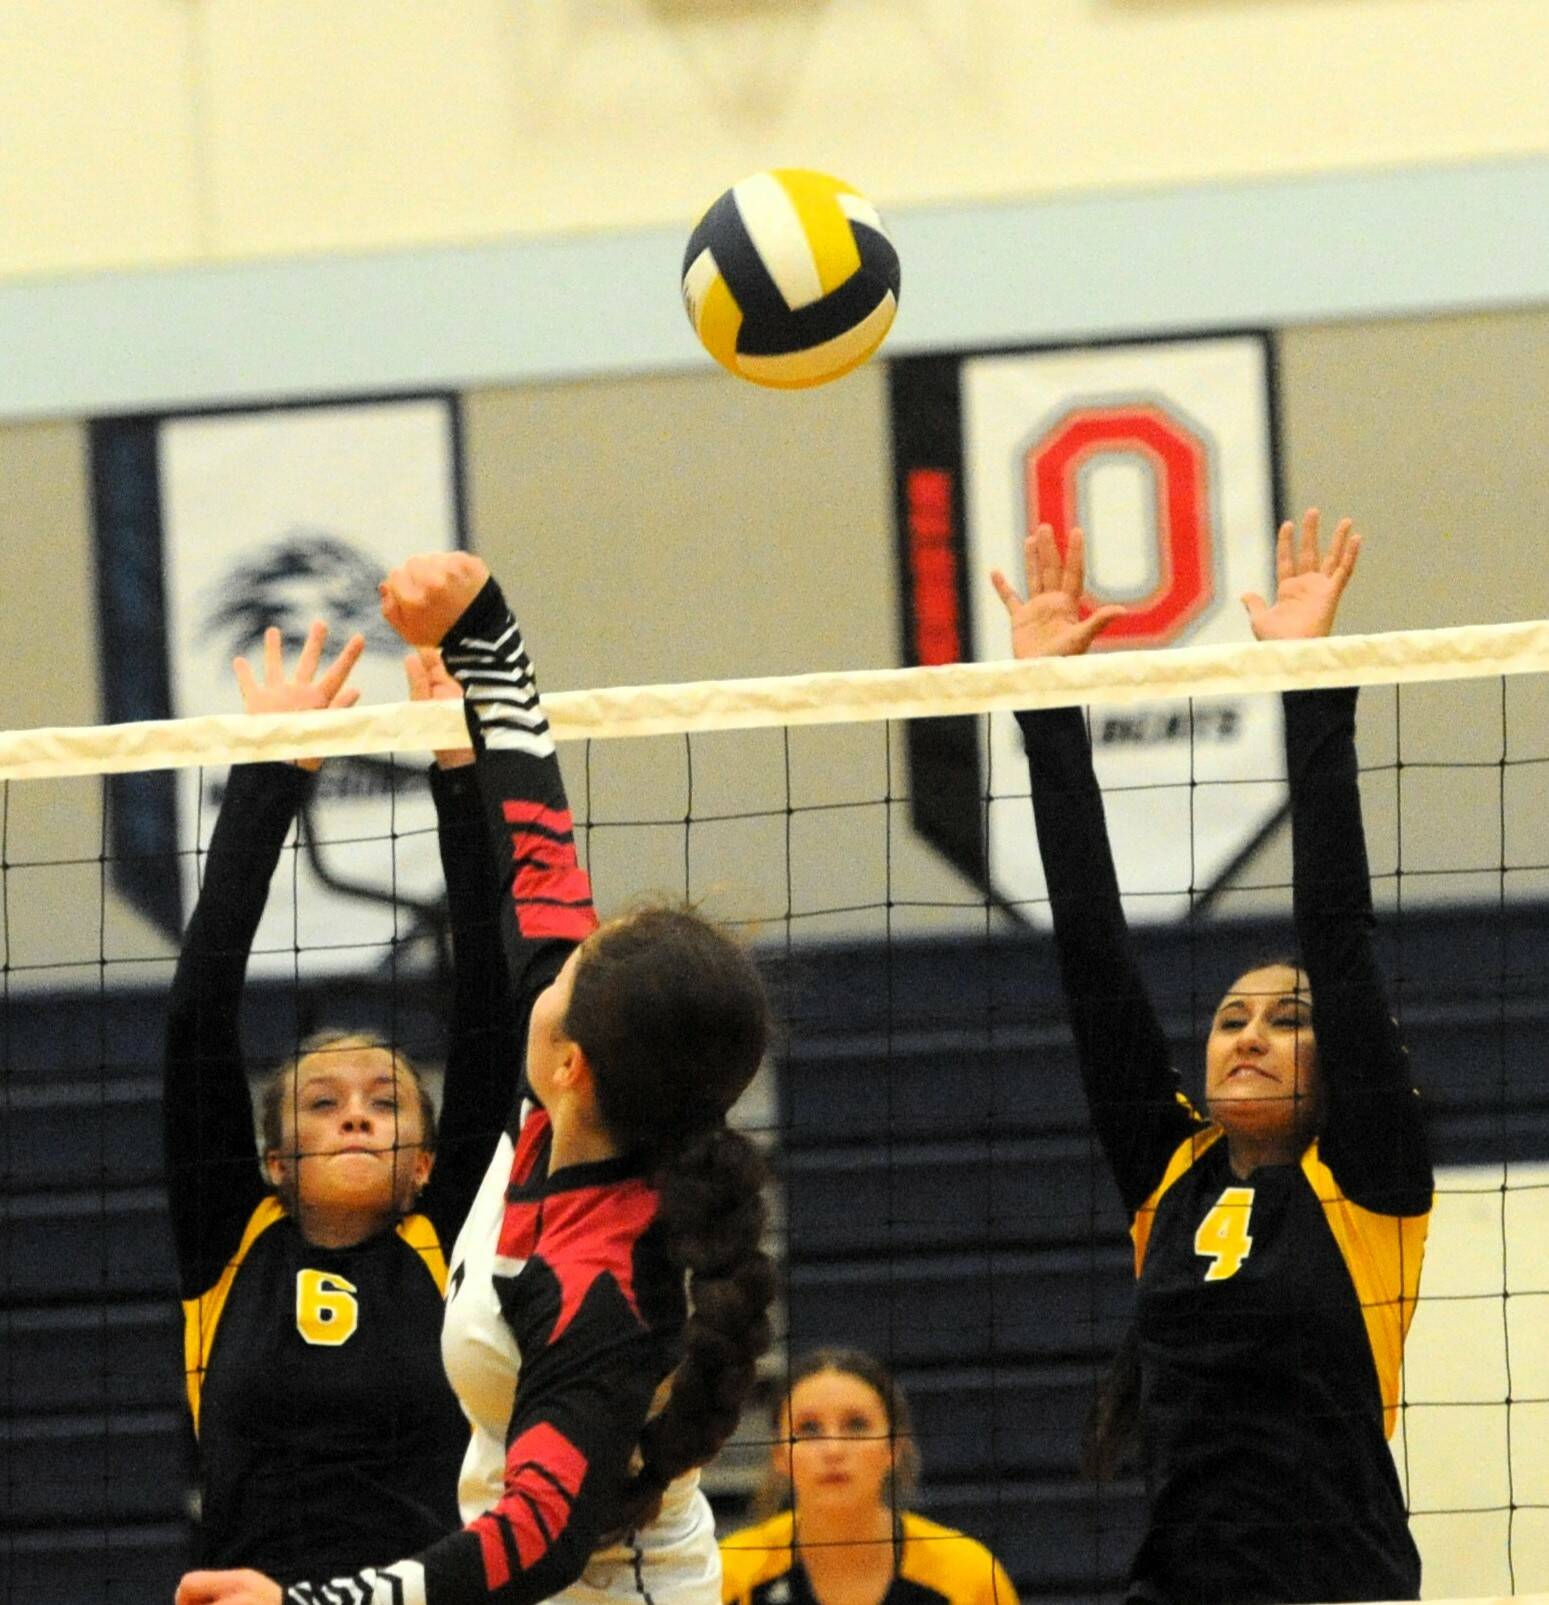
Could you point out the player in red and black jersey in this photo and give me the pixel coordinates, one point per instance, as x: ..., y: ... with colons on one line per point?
x: 566, y: 1309
x: 1278, y: 1242
x: 313, y: 1289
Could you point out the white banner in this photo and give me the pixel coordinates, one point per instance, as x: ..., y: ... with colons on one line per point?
x: 1162, y: 454
x: 279, y: 517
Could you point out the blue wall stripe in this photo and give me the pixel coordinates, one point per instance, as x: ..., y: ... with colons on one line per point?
x: 1406, y: 241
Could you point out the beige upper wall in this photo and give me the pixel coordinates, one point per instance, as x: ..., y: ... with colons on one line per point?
x: 148, y: 132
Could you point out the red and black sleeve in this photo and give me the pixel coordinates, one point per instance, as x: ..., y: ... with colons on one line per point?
x: 546, y: 897
x: 591, y: 1365
x: 213, y: 1181
x: 1373, y: 1134
x: 580, y: 1406
x: 1126, y: 1068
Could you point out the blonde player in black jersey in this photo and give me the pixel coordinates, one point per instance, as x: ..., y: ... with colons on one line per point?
x: 614, y: 1242
x: 312, y: 1291
x: 842, y: 1463
x: 1278, y: 1241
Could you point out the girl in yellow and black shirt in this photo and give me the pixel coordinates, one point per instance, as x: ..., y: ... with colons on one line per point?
x: 1278, y: 1241
x: 312, y: 1288
x: 842, y: 1459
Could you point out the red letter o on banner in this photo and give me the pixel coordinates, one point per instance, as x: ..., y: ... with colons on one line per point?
x: 1179, y: 465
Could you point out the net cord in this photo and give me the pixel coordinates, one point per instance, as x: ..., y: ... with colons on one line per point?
x: 1109, y: 679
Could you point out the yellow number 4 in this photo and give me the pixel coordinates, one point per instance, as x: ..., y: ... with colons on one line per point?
x: 1223, y: 1237
x: 326, y: 1311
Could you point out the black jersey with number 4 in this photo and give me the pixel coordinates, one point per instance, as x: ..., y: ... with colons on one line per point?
x: 325, y: 1422
x: 1271, y: 1309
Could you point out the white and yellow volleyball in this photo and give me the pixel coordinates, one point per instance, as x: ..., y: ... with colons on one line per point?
x: 790, y: 279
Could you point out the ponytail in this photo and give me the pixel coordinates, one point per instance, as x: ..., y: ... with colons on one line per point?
x: 713, y: 1213
x: 1112, y: 1431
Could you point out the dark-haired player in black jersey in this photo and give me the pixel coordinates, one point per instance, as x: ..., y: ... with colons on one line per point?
x: 313, y: 1289
x: 1278, y: 1242
x: 617, y: 1189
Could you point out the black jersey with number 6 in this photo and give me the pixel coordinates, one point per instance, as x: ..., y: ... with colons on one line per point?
x: 325, y: 1423
x: 1271, y: 1309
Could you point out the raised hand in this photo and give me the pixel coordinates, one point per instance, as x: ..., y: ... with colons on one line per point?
x: 423, y: 598
x: 1049, y: 624
x: 1307, y: 587
x: 227, y: 1588
x: 430, y: 681
x: 278, y: 694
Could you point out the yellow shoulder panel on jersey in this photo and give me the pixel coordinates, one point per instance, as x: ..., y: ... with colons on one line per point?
x: 1383, y: 1254
x: 202, y: 1315
x: 952, y: 1564
x: 1184, y: 1155
x: 756, y: 1555
x: 420, y: 1235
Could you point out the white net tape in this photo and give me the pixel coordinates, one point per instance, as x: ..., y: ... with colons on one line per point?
x: 1106, y: 679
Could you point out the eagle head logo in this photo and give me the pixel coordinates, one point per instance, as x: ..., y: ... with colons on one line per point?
x: 305, y: 574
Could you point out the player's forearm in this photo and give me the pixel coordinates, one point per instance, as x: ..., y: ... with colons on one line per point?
x: 534, y: 1543
x: 203, y: 1009
x: 1357, y: 1037
x: 480, y: 1030
x: 456, y: 1571
x: 482, y: 1052
x: 256, y: 814
x: 1125, y: 1063
x: 547, y: 903
x: 1373, y: 1131
x: 206, y: 1110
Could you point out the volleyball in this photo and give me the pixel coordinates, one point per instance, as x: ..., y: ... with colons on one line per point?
x: 790, y: 279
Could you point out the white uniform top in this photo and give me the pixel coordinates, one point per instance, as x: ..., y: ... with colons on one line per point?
x: 673, y: 1561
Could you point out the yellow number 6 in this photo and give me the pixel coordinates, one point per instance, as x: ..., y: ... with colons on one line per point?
x: 326, y: 1311
x: 1222, y: 1237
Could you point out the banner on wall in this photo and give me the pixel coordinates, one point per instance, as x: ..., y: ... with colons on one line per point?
x: 1164, y: 454
x: 211, y: 528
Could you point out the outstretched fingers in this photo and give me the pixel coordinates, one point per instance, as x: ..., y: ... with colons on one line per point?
x: 1046, y: 570
x: 274, y: 659
x: 1334, y: 559
x: 339, y: 670
x: 1075, y: 562
x: 1097, y: 621
x: 418, y: 676
x: 247, y: 682
x: 1051, y: 570
x: 1307, y: 555
x: 311, y: 652
x: 1347, y: 557
x: 1005, y: 590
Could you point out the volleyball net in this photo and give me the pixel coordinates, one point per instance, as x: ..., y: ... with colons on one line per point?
x: 941, y: 1202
